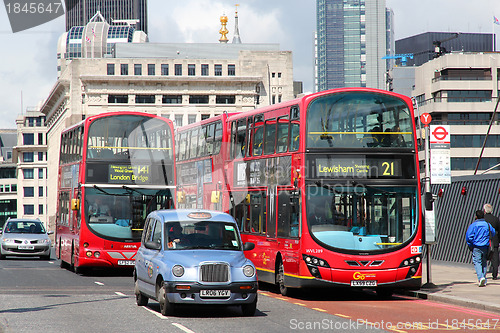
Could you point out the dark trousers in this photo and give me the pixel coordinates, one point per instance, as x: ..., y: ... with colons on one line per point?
x: 494, y: 263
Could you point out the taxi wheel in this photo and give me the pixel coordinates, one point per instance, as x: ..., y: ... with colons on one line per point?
x: 166, y: 308
x: 140, y: 299
x: 250, y: 308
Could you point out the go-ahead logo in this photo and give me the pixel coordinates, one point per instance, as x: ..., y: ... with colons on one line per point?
x: 26, y: 14
x: 361, y: 276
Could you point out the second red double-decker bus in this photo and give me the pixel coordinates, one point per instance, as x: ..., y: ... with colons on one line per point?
x: 114, y: 169
x: 327, y: 186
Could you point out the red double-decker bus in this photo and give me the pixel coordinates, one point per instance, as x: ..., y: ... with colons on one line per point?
x: 327, y: 186
x: 114, y: 169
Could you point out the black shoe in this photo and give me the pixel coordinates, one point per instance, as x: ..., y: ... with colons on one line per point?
x: 495, y: 278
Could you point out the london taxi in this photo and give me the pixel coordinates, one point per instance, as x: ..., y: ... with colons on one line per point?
x: 194, y: 257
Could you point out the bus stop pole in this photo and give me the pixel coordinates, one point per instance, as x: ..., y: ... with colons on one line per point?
x: 429, y: 283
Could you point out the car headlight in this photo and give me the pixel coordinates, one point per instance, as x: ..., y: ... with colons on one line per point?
x: 9, y: 241
x: 178, y: 270
x: 43, y: 241
x: 248, y: 270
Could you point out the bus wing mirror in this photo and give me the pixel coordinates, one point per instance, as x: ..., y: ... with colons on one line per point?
x: 248, y: 246
x: 75, y: 204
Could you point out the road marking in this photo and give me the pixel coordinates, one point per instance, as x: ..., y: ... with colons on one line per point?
x: 120, y: 293
x: 300, y: 304
x: 99, y: 283
x: 318, y: 309
x: 262, y: 293
x: 281, y: 298
x: 341, y: 315
x: 182, y: 327
x: 159, y: 315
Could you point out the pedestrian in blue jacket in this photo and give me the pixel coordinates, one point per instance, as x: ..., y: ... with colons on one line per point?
x: 478, y: 239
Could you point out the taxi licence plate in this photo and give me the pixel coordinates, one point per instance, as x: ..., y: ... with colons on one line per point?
x: 364, y: 283
x: 215, y: 293
x: 26, y: 247
x: 126, y: 262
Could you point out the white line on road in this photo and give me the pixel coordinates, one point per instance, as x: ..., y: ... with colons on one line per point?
x: 159, y: 315
x: 181, y: 327
x: 120, y: 293
x: 99, y: 283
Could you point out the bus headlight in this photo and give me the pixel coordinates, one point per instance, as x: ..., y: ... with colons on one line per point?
x: 314, y: 261
x: 248, y: 270
x: 178, y: 270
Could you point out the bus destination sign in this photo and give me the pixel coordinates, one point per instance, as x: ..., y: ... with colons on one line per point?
x: 129, y: 174
x: 357, y: 167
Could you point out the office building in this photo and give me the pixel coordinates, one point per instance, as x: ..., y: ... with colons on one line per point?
x: 352, y: 38
x: 8, y: 178
x: 460, y: 89
x: 30, y: 156
x: 79, y: 12
x: 423, y: 46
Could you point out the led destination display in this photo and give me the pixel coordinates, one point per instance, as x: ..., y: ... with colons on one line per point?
x: 356, y: 167
x: 129, y: 174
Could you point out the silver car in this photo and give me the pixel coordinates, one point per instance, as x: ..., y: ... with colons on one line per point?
x: 24, y: 237
x: 194, y: 257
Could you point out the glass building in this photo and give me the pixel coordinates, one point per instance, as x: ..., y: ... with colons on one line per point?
x: 79, y: 12
x: 352, y: 37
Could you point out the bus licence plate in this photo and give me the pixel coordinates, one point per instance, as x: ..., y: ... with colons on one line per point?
x: 126, y: 262
x: 26, y: 247
x: 215, y: 293
x: 364, y: 283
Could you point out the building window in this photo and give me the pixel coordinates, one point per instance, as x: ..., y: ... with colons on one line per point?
x: 151, y: 69
x: 28, y: 139
x: 191, y: 70
x: 279, y: 98
x: 205, y: 116
x: 29, y: 209
x: 40, y: 156
x: 1, y: 188
x: 171, y: 99
x: 164, y: 69
x: 117, y: 99
x: 198, y: 99
x: 145, y: 99
x: 28, y: 174
x: 111, y: 69
x: 273, y: 75
x: 40, y: 209
x: 28, y: 157
x: 279, y: 75
x: 13, y: 187
x: 137, y: 69
x: 29, y: 192
x: 40, y: 173
x: 40, y: 139
x: 178, y: 69
x: 7, y: 188
x: 225, y: 99
x: 40, y: 191
x: 204, y: 69
x: 178, y: 120
x: 231, y: 70
x: 191, y: 119
x: 124, y: 69
x: 218, y: 70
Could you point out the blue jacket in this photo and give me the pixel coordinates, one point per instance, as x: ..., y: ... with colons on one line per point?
x: 478, y: 234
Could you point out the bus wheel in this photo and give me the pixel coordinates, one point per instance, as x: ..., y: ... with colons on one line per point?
x: 280, y: 279
x: 166, y: 308
x: 140, y: 299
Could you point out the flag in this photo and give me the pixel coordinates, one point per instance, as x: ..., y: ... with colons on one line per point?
x: 495, y: 20
x: 87, y: 39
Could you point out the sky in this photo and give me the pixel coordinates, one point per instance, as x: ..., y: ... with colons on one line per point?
x: 28, y: 58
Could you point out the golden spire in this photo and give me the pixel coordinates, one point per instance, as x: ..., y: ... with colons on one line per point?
x: 223, y: 30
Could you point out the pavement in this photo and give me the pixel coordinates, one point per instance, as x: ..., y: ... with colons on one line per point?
x: 457, y: 284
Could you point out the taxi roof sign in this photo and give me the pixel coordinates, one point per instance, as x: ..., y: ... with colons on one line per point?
x: 199, y: 215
